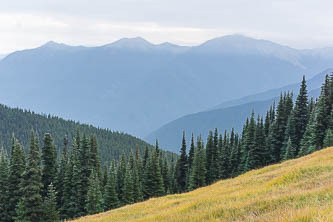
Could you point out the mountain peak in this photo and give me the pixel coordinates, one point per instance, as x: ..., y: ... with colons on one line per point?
x: 131, y: 43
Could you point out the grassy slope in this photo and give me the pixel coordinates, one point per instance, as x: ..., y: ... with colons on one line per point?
x: 296, y: 190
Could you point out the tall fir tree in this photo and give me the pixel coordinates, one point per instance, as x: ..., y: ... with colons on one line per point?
x: 16, y: 169
x: 182, y: 167
x: 4, y: 195
x: 49, y: 163
x: 198, y: 172
x: 301, y: 114
x: 50, y: 212
x: 31, y: 201
x: 94, y: 200
x: 111, y: 200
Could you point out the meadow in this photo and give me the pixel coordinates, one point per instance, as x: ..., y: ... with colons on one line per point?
x: 296, y: 190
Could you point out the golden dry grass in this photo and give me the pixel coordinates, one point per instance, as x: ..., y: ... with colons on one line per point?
x: 297, y: 190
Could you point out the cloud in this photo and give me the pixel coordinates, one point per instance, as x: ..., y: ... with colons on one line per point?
x: 298, y: 23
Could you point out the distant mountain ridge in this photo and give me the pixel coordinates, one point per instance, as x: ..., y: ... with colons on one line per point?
x: 135, y: 86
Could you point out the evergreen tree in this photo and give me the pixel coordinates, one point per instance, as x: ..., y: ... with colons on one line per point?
x: 290, y: 134
x: 157, y: 188
x: 301, y: 114
x: 328, y: 140
x: 4, y: 195
x: 94, y: 200
x: 16, y: 169
x: 322, y: 113
x: 254, y: 157
x: 224, y: 163
x: 306, y: 142
x: 61, y: 175
x: 290, y: 150
x: 50, y: 212
x: 182, y: 167
x: 209, y: 157
x: 31, y: 202
x: 165, y: 176
x: 191, y: 153
x: 111, y: 200
x: 121, y: 172
x: 128, y: 189
x: 49, y: 161
x: 198, y: 173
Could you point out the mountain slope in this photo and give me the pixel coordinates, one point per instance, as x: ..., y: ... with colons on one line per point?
x: 20, y: 123
x: 312, y: 84
x: 227, y: 115
x: 126, y: 85
x: 296, y: 190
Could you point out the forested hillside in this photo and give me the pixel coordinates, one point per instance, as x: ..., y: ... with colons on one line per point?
x: 20, y: 122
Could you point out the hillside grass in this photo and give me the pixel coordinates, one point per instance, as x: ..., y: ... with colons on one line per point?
x: 296, y: 190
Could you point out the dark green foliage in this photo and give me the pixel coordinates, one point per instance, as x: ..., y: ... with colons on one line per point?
x: 301, y: 114
x: 290, y: 150
x: 128, y: 188
x: 94, y: 199
x: 198, y: 172
x: 4, y: 195
x: 322, y: 114
x: 50, y: 212
x: 111, y: 144
x: 16, y: 169
x: 328, y: 140
x: 49, y: 163
x: 182, y: 167
x: 111, y: 200
x: 30, y: 207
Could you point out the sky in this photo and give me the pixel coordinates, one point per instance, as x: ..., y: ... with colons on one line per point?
x: 296, y: 23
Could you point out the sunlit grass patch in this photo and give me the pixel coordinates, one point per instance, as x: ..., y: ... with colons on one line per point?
x: 296, y: 190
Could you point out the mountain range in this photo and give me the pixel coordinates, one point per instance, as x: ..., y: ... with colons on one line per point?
x: 135, y: 86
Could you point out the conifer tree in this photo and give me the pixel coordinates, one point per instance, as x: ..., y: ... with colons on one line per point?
x: 157, y: 180
x: 16, y: 169
x: 290, y: 150
x: 94, y: 200
x: 254, y: 157
x: 224, y: 163
x: 50, y: 212
x: 49, y: 162
x: 198, y: 173
x: 85, y: 171
x: 209, y: 157
x: 4, y: 195
x: 165, y: 175
x: 182, y: 167
x: 328, y: 140
x: 61, y: 174
x: 128, y: 189
x: 322, y: 113
x: 111, y: 200
x: 290, y: 134
x: 306, y: 143
x: 191, y: 153
x: 31, y: 187
x: 301, y: 114
x: 121, y: 172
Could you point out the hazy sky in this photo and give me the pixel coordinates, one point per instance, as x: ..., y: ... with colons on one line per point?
x: 30, y: 23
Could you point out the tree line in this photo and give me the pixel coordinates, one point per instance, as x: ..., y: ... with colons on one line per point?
x: 290, y: 130
x: 41, y: 186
